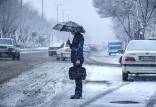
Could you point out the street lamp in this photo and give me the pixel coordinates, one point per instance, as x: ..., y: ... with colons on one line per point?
x: 42, y: 7
x: 155, y: 27
x: 58, y: 9
x: 21, y: 3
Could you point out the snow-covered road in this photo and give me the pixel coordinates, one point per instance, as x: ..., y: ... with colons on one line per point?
x: 47, y: 85
x: 34, y: 87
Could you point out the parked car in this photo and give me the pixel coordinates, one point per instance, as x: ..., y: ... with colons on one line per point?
x: 139, y: 58
x: 63, y: 52
x: 53, y: 48
x: 9, y: 48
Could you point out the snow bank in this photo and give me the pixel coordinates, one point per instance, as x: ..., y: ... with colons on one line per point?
x: 33, y: 50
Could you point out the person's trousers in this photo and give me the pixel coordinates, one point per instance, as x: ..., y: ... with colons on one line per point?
x: 78, y: 83
x: 78, y: 88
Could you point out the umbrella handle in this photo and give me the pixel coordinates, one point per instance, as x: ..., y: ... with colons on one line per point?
x: 69, y: 35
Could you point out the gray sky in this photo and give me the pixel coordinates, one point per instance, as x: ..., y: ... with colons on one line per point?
x: 81, y: 11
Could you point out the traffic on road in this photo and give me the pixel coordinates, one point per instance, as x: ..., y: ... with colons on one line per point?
x: 77, y: 53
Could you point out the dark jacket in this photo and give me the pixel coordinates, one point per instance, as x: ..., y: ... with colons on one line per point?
x: 77, y: 48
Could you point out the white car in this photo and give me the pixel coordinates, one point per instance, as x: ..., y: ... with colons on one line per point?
x: 53, y: 48
x: 86, y: 50
x: 63, y: 52
x: 9, y: 49
x: 139, y: 58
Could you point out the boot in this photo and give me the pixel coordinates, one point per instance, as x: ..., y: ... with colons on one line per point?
x: 75, y: 97
x: 72, y: 96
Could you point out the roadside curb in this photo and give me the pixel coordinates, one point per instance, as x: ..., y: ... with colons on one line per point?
x: 91, y: 61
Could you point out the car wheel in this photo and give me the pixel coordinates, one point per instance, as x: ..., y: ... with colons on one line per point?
x: 57, y: 58
x: 18, y: 57
x: 13, y: 57
x: 63, y: 59
x: 124, y: 76
x: 49, y: 54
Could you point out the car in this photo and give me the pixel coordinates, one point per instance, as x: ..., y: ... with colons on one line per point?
x: 115, y: 47
x: 63, y: 52
x: 93, y: 47
x: 86, y: 50
x: 139, y: 58
x: 9, y: 49
x: 53, y: 48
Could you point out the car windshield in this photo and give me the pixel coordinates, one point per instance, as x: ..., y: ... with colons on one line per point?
x: 116, y: 43
x: 142, y: 45
x: 55, y: 45
x: 6, y: 41
x: 115, y: 47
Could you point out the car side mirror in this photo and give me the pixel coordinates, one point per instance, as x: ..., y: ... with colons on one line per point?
x: 120, y: 60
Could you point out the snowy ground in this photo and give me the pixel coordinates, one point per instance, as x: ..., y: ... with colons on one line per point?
x: 47, y: 85
x: 34, y: 87
x: 37, y: 87
x: 105, y: 89
x: 104, y: 58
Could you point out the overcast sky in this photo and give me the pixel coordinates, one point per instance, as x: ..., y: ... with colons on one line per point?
x: 81, y: 11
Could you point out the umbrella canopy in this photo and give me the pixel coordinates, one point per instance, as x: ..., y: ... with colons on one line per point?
x: 69, y: 27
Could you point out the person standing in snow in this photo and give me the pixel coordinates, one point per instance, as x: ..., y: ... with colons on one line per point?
x: 77, y: 59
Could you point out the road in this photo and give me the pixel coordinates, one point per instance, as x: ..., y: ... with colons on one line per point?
x: 10, y: 69
x: 40, y: 81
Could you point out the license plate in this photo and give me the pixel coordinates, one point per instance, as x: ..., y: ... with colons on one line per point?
x: 147, y: 58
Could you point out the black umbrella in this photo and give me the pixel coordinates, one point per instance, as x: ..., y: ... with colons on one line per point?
x: 69, y: 27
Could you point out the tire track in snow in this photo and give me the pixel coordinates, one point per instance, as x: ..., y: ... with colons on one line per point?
x: 43, y: 79
x: 152, y: 101
x: 111, y: 90
x: 34, y: 84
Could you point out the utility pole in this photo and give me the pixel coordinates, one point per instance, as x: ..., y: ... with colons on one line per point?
x: 21, y: 3
x: 68, y: 17
x: 42, y: 8
x: 57, y: 10
x: 137, y: 20
x: 137, y: 17
x: 62, y: 15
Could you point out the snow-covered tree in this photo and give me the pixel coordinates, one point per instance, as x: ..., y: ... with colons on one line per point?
x: 33, y: 27
x: 9, y: 17
x: 24, y: 24
x: 134, y: 16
